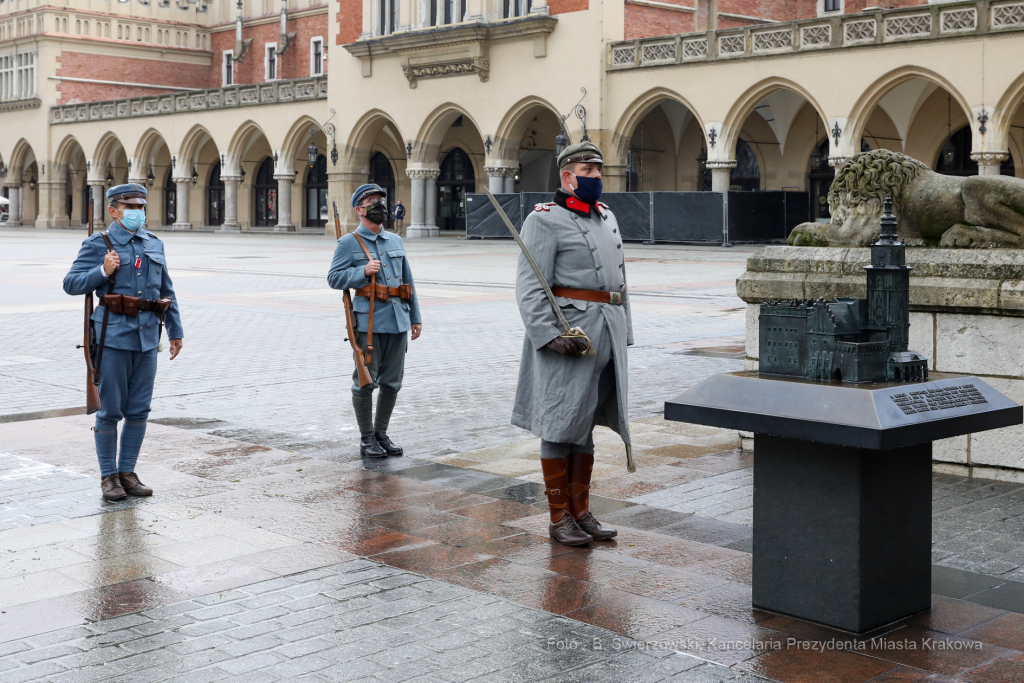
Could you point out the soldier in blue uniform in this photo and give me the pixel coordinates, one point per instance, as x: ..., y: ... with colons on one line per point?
x: 127, y: 269
x: 396, y: 312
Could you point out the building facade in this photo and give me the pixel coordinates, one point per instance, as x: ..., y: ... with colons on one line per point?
x: 220, y: 107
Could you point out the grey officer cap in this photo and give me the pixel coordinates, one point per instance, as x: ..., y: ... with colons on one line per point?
x: 129, y: 193
x: 582, y: 152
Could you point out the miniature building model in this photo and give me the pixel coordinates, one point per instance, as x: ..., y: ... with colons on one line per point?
x: 849, y: 340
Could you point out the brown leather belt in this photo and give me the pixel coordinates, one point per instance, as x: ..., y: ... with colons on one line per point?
x: 588, y: 295
x: 384, y: 293
x: 131, y: 305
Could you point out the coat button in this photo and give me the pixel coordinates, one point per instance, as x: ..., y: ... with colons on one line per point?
x: 140, y: 293
x: 598, y: 268
x: 618, y: 246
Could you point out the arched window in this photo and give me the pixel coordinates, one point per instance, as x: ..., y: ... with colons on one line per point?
x: 170, y: 199
x: 747, y: 174
x: 955, y: 157
x: 266, y: 194
x: 382, y: 174
x: 215, y: 198
x: 316, y: 194
x: 456, y: 179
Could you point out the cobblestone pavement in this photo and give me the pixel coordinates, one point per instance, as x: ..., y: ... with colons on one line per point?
x: 271, y: 552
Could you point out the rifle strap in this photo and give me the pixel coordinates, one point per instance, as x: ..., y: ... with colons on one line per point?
x: 373, y: 288
x: 106, y: 311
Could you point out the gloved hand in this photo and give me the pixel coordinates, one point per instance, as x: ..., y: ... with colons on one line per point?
x: 572, y: 347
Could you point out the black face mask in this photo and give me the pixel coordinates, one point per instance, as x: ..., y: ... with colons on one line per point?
x: 376, y: 213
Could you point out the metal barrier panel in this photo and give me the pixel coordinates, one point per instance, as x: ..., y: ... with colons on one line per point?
x: 687, y: 217
x: 798, y: 210
x: 483, y: 221
x: 633, y: 212
x: 757, y: 216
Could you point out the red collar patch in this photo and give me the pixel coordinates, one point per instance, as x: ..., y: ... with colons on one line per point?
x: 574, y: 203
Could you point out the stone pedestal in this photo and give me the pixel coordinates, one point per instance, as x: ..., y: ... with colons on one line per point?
x: 423, y: 202
x: 52, y: 212
x: 966, y: 315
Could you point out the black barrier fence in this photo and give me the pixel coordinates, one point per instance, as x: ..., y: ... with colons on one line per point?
x: 662, y: 216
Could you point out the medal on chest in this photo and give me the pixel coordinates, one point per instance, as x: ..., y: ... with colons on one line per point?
x: 138, y: 262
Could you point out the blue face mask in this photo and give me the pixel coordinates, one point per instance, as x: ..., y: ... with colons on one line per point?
x: 589, y: 189
x: 133, y: 219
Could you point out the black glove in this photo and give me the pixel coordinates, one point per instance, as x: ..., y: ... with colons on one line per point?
x: 570, y: 346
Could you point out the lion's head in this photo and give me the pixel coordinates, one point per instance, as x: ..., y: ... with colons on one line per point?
x: 865, y: 179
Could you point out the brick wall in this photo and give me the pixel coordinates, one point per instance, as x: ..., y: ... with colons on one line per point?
x: 350, y: 21
x: 81, y: 65
x: 763, y: 9
x: 646, y: 22
x: 294, y: 63
x: 565, y: 6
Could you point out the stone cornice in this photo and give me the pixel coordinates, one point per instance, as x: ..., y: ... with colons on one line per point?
x: 525, y: 27
x: 19, y: 105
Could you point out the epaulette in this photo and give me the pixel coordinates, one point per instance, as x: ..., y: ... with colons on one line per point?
x: 603, y: 205
x: 153, y: 236
x: 543, y: 207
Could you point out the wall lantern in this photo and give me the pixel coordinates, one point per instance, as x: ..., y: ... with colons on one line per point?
x: 311, y: 151
x: 32, y: 183
x: 243, y: 176
x: 195, y: 176
x: 816, y: 159
x: 702, y: 159
x: 150, y: 178
x: 110, y: 178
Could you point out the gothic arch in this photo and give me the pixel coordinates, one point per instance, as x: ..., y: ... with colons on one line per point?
x: 65, y: 153
x: 636, y: 112
x: 1007, y: 106
x: 149, y: 147
x: 745, y: 104
x: 293, y: 140
x: 359, y: 147
x: 22, y: 154
x: 190, y: 146
x: 240, y: 143
x: 874, y: 93
x: 513, y: 125
x: 426, y: 149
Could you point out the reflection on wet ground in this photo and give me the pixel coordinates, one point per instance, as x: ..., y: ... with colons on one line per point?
x: 237, y: 509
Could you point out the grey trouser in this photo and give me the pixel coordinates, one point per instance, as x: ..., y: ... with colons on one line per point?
x: 605, y: 387
x: 387, y: 364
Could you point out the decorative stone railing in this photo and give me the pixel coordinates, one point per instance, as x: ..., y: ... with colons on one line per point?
x: 906, y: 24
x: 228, y: 97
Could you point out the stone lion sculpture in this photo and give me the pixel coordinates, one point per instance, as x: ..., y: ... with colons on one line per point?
x: 973, y: 211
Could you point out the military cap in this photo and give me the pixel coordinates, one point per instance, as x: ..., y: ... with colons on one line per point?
x: 580, y: 153
x: 363, y: 190
x: 129, y: 193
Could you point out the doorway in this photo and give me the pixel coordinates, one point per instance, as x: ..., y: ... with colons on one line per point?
x: 381, y: 174
x: 316, y: 194
x: 456, y: 179
x: 265, y: 188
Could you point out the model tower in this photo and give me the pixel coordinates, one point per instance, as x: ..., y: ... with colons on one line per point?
x: 889, y: 285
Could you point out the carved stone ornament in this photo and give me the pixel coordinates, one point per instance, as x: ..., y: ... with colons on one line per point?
x: 725, y: 163
x: 989, y: 158
x: 422, y: 173
x: 478, y: 65
x: 500, y: 171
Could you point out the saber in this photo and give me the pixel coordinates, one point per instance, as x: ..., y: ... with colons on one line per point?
x: 573, y: 332
x: 570, y: 332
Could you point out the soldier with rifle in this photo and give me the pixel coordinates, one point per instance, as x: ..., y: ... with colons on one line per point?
x: 573, y: 371
x: 373, y: 262
x: 126, y: 267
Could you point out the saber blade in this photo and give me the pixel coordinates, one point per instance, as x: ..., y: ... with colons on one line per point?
x: 529, y: 259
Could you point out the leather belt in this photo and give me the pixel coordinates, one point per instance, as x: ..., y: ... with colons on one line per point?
x: 588, y: 295
x: 384, y: 293
x: 131, y: 305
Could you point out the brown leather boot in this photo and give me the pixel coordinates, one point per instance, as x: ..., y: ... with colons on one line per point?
x: 111, y: 487
x: 581, y: 467
x: 134, y: 487
x: 563, y: 527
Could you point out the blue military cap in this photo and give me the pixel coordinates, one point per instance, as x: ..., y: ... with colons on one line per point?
x: 363, y: 190
x: 129, y: 193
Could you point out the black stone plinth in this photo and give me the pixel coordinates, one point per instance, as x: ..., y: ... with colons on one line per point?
x: 842, y: 536
x: 842, y: 484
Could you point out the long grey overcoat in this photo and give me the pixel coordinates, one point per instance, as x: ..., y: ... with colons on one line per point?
x: 556, y: 397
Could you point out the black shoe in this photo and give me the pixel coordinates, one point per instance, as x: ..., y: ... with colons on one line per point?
x: 369, y: 448
x: 389, y: 447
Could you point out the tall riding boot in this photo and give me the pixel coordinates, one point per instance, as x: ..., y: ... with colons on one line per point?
x: 563, y: 527
x: 581, y: 467
x: 364, y: 418
x: 385, y: 405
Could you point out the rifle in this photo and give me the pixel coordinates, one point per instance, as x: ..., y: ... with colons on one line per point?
x: 350, y: 319
x: 92, y: 382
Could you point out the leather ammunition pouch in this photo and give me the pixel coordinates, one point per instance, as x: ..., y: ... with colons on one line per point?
x: 131, y: 305
x: 384, y: 293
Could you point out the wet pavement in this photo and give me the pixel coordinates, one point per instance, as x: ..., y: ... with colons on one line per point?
x: 272, y: 552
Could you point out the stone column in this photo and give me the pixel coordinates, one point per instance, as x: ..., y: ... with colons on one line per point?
x: 340, y: 186
x: 183, y: 186
x: 501, y: 179
x: 422, y: 202
x: 284, y: 202
x: 510, y: 183
x: 14, y: 208
x: 430, y: 204
x: 989, y: 162
x: 98, y: 188
x: 230, y: 204
x: 51, y: 199
x: 720, y: 171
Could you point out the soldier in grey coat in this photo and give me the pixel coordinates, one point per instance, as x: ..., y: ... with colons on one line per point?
x: 564, y: 392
